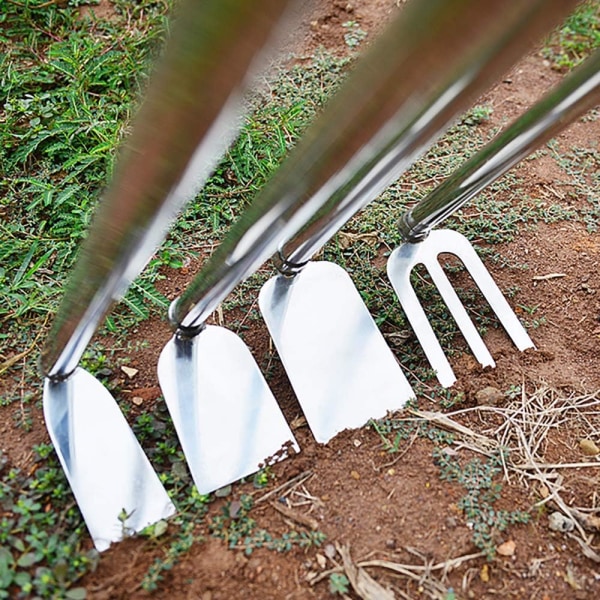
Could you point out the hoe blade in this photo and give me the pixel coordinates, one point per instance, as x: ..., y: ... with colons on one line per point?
x: 116, y: 488
x: 338, y: 363
x: 400, y: 265
x: 227, y: 420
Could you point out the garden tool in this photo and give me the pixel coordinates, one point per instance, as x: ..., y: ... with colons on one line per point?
x: 573, y: 97
x: 402, y: 94
x: 226, y: 417
x: 189, y: 115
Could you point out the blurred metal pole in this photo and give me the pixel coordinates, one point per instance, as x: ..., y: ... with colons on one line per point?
x: 185, y: 123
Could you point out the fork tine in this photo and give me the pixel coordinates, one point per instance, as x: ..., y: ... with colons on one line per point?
x: 399, y: 267
x: 485, y: 282
x: 578, y: 93
x: 453, y: 302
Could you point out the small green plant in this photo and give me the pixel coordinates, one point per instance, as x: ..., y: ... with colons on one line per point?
x: 355, y: 35
x: 236, y: 527
x: 450, y: 398
x: 513, y: 392
x: 531, y: 321
x: 40, y: 549
x: 339, y: 584
x: 96, y: 361
x: 176, y: 549
x: 180, y: 533
x: 404, y: 429
x: 478, y: 479
x: 261, y: 478
x: 477, y: 115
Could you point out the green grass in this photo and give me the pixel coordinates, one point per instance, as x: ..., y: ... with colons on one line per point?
x: 62, y: 124
x: 576, y: 39
x: 68, y: 87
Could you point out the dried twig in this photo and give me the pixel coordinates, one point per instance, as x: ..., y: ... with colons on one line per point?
x: 547, y: 466
x: 446, y: 566
x: 362, y: 583
x: 288, y: 486
x: 445, y: 422
x: 13, y: 360
x: 549, y: 276
x: 294, y: 515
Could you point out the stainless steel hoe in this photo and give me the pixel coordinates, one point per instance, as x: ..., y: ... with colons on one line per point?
x: 188, y: 117
x: 401, y: 95
x: 226, y: 417
x: 574, y: 96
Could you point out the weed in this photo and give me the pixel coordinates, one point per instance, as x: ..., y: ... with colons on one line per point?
x: 477, y: 115
x: 477, y: 477
x: 582, y: 167
x: 513, y: 392
x: 403, y: 429
x: 156, y: 433
x: 240, y: 531
x: 530, y: 321
x: 355, y: 35
x: 96, y: 361
x: 576, y: 38
x: 451, y: 398
x: 68, y: 87
x: 261, y: 478
x: 183, y: 542
x: 40, y: 533
x: 339, y: 584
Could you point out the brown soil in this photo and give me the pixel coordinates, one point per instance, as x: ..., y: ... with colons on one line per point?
x: 395, y: 507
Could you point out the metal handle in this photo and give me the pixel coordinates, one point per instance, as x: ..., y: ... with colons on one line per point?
x: 579, y: 92
x: 185, y: 123
x: 464, y: 51
x: 424, y: 69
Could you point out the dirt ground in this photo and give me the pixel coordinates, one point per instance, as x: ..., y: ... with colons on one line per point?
x: 379, y: 509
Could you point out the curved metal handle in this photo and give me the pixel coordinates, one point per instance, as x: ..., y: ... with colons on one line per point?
x: 577, y: 93
x: 423, y: 70
x: 185, y: 123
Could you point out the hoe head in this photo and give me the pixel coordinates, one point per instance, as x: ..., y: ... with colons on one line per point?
x: 116, y: 488
x: 227, y: 420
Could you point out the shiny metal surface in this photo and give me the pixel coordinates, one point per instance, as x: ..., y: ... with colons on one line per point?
x: 108, y: 472
x: 576, y: 94
x: 400, y: 265
x: 226, y: 417
x: 389, y: 110
x: 187, y: 120
x: 188, y: 117
x: 337, y: 361
x: 402, y: 105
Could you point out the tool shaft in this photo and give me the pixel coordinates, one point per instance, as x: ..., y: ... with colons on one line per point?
x: 402, y: 94
x: 574, y: 96
x: 187, y: 119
